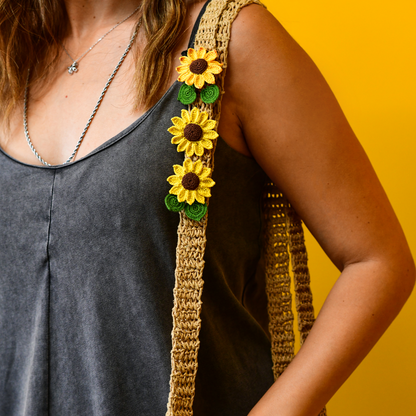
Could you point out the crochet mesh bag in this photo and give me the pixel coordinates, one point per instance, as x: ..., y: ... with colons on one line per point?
x: 283, y: 242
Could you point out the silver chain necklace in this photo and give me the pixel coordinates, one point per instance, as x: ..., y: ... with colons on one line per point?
x: 25, y: 107
x: 74, y: 66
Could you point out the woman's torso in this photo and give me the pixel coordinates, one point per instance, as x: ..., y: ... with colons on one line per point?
x: 87, y: 259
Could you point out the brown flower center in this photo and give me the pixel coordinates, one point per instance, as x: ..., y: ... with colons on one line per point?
x: 193, y: 132
x: 198, y: 66
x: 190, y: 181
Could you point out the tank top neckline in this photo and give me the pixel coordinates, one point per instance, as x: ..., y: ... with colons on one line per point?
x: 125, y: 131
x: 102, y: 146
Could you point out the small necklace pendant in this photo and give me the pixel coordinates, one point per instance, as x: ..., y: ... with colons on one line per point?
x: 73, y: 68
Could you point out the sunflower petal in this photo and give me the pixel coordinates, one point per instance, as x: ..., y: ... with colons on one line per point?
x: 178, y: 122
x: 199, y: 150
x: 175, y: 131
x: 175, y: 190
x: 211, y: 55
x: 192, y: 54
x: 208, y: 125
x: 199, y: 81
x: 204, y: 191
x: 194, y: 115
x: 181, y: 194
x: 185, y: 77
x: 201, y: 52
x: 203, y: 117
x: 210, y: 134
x: 185, y: 117
x: 198, y: 167
x: 205, y: 173
x: 177, y: 139
x: 206, y: 182
x: 200, y: 198
x: 174, y: 180
x: 190, y: 196
x: 190, y: 149
x: 185, y: 60
x: 207, y: 144
x: 208, y: 77
x: 179, y: 170
x: 188, y: 166
x: 182, y: 69
x: 214, y: 67
x: 182, y: 145
x: 190, y: 80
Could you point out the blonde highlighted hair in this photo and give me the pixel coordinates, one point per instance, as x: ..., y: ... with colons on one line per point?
x: 32, y: 32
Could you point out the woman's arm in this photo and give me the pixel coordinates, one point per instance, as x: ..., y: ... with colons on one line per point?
x: 290, y: 121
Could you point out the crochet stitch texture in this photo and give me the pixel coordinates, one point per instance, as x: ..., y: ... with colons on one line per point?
x: 283, y: 235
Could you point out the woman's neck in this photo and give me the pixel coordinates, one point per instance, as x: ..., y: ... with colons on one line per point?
x: 87, y: 17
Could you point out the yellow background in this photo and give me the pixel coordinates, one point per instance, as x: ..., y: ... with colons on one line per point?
x: 367, y: 52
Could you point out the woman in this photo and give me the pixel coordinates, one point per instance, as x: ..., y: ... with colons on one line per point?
x: 88, y: 254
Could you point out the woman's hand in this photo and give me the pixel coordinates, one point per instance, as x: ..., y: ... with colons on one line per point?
x: 279, y: 109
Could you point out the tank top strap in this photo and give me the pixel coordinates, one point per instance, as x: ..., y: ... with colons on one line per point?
x: 196, y: 26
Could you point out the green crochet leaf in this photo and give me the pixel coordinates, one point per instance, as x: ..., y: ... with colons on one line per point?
x: 172, y: 203
x: 210, y: 94
x: 187, y: 94
x: 196, y: 211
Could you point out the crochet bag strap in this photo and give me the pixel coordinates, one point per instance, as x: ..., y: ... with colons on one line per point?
x: 283, y: 235
x: 214, y: 34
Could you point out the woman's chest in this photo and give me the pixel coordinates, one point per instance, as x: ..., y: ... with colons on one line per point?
x: 93, y: 104
x: 120, y: 187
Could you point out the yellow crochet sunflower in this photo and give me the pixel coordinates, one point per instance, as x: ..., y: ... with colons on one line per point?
x: 191, y: 182
x: 193, y: 132
x: 198, y: 67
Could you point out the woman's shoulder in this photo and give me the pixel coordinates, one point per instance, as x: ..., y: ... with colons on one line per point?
x: 267, y: 72
x: 280, y: 106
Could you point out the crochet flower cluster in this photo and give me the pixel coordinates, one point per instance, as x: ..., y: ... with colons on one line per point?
x: 197, y: 72
x: 193, y: 133
x: 191, y: 182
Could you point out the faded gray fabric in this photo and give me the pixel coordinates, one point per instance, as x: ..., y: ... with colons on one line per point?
x: 87, y: 260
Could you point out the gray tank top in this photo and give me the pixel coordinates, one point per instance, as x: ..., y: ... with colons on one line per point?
x: 87, y: 260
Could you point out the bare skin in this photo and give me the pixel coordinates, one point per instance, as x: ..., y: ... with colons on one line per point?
x: 290, y: 122
x: 59, y: 111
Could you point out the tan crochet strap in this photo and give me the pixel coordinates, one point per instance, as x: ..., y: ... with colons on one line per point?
x: 213, y: 33
x: 278, y: 280
x: 283, y: 234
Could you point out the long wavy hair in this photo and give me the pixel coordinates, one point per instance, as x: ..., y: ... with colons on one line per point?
x: 31, y: 35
